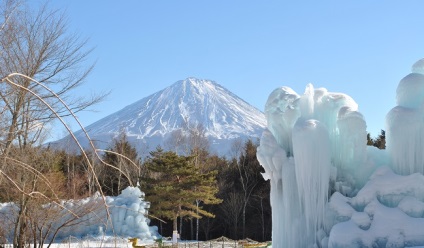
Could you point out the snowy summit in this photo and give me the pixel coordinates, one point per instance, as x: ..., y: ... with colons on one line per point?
x: 183, y: 105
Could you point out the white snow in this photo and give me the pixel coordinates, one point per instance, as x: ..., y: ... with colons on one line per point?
x: 318, y: 140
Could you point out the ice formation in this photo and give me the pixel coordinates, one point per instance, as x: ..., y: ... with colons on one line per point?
x: 407, y: 143
x: 128, y: 217
x: 315, y: 145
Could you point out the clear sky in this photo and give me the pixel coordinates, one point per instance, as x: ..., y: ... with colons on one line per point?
x: 361, y: 48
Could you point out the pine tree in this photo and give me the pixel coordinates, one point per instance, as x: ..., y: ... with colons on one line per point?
x: 174, y: 184
x: 370, y: 141
x: 380, y: 142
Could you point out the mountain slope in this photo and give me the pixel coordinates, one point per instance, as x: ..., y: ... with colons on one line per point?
x: 151, y: 120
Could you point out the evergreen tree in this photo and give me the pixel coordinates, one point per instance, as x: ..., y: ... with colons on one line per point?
x: 173, y: 184
x: 370, y: 141
x: 380, y: 142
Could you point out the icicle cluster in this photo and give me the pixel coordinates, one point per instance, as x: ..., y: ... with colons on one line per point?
x: 305, y: 135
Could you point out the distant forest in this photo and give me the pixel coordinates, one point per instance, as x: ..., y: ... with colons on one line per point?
x: 379, y: 141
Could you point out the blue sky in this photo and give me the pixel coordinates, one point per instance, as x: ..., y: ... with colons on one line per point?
x: 361, y: 48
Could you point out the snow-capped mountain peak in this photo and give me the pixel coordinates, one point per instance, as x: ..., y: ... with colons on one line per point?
x: 192, y: 101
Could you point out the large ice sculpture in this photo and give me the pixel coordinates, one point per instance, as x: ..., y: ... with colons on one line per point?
x: 309, y: 136
x: 128, y: 217
x: 315, y: 144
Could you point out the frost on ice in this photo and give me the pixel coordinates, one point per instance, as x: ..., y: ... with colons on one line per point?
x: 315, y: 146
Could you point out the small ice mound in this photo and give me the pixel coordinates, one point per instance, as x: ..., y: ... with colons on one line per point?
x: 412, y: 207
x: 390, y: 200
x: 410, y: 91
x: 338, y: 210
x: 389, y: 188
x: 343, y: 187
x: 131, y: 192
x: 418, y: 67
x: 362, y: 220
x: 347, y: 234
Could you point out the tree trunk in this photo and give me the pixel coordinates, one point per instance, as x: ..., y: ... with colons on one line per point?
x: 197, y: 220
x: 244, y: 220
x: 175, y: 225
x: 20, y: 228
x: 181, y: 225
x: 191, y: 228
x: 175, y: 230
x: 262, y: 219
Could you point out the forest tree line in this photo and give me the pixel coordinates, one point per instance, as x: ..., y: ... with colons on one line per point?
x: 230, y: 196
x: 240, y: 207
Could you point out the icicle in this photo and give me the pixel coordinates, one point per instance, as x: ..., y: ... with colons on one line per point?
x: 311, y: 145
x: 273, y: 158
x: 350, y: 148
x: 307, y: 102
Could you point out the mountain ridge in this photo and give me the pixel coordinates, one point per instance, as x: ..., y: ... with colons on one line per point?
x: 150, y: 120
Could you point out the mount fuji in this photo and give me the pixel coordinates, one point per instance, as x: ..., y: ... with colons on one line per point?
x: 149, y: 122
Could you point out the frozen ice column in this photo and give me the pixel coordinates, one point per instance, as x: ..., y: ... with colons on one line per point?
x: 406, y: 144
x: 311, y: 145
x: 307, y: 137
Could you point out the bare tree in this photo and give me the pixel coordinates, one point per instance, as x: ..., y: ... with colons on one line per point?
x: 38, y: 55
x: 122, y: 155
x: 176, y: 141
x: 38, y: 45
x: 232, y: 208
x: 248, y: 171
